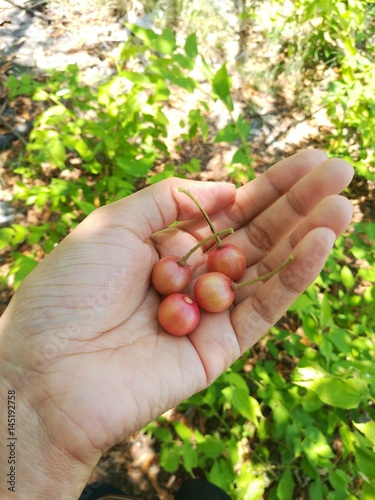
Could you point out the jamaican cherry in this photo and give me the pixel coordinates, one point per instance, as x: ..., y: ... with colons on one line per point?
x: 178, y: 314
x: 171, y: 274
x: 215, y: 292
x: 227, y: 259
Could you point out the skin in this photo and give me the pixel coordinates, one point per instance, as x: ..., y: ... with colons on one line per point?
x: 80, y: 342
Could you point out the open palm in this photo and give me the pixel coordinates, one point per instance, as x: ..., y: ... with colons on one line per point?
x: 84, y: 327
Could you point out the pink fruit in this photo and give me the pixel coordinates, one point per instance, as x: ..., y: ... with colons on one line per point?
x: 169, y: 276
x: 213, y: 292
x: 227, y: 259
x: 179, y: 314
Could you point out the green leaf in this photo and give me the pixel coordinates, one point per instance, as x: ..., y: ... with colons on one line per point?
x: 367, y: 274
x: 190, y: 457
x: 184, y: 61
x: 227, y: 134
x: 212, y: 447
x: 206, y: 69
x: 221, y: 474
x: 164, y: 43
x: 56, y: 152
x: 240, y: 156
x: 339, y: 480
x: 347, y: 277
x: 237, y: 380
x: 138, y: 78
x: 170, y: 457
x: 163, y: 433
x: 243, y: 126
x: 369, y: 294
x: 316, y: 489
x: 190, y: 47
x: 368, y: 492
x: 368, y: 429
x: 19, y: 233
x: 303, y: 302
x: 22, y: 266
x: 6, y: 235
x: 146, y: 35
x: 286, y: 485
x: 325, y: 311
x: 40, y: 95
x: 196, y: 119
x: 82, y: 148
x: 135, y: 167
x: 221, y: 85
x: 340, y: 393
x: 183, y: 431
x: 245, y: 404
x: 365, y: 460
x: 341, y: 340
x: 85, y: 206
x: 165, y: 174
x: 316, y: 447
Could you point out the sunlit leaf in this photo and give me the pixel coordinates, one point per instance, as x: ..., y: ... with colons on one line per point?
x: 190, y: 47
x: 221, y: 85
x: 368, y: 429
x: 347, y: 277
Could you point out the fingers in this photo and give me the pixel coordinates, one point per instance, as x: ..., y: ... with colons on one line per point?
x: 334, y: 212
x: 257, y: 195
x: 255, y: 315
x: 250, y: 200
x: 159, y: 205
x: 265, y: 231
x: 253, y: 198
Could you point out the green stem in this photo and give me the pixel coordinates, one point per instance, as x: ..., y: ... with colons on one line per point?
x: 266, y: 276
x: 219, y: 243
x: 183, y: 259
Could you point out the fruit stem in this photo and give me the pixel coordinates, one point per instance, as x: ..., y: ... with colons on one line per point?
x: 182, y: 260
x: 266, y: 276
x: 219, y: 243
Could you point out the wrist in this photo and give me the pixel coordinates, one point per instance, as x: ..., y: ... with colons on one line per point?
x: 33, y: 461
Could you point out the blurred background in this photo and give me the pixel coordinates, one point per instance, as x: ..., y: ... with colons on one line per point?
x: 100, y: 99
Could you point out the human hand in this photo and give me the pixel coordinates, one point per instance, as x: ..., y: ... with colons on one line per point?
x: 80, y: 340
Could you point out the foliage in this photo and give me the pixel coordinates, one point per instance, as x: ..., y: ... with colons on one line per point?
x: 344, y: 39
x: 338, y: 35
x: 92, y: 146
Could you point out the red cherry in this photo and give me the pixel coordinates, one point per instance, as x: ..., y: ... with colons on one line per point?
x: 169, y: 276
x: 214, y: 292
x: 179, y: 314
x: 227, y: 259
x: 172, y: 274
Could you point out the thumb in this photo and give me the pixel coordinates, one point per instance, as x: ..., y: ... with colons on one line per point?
x: 155, y: 207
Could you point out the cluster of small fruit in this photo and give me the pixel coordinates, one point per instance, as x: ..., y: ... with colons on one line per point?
x: 214, y: 291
